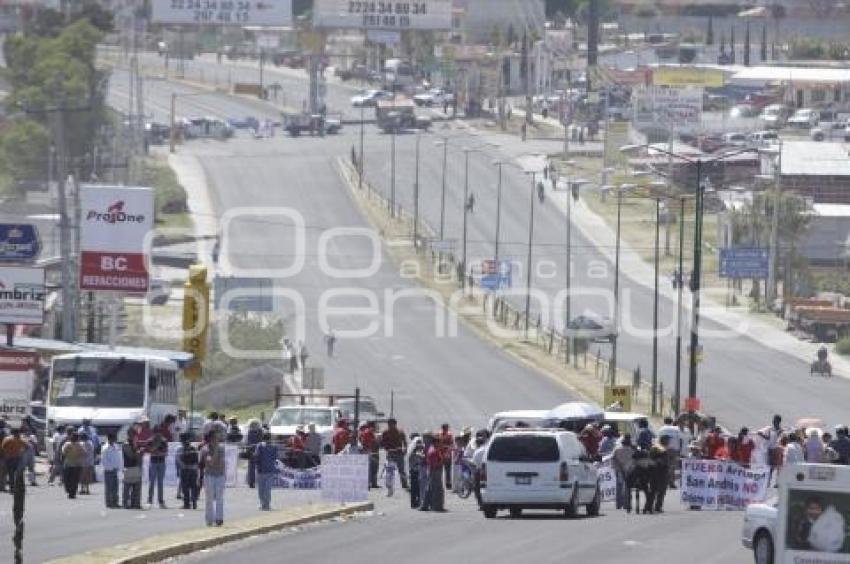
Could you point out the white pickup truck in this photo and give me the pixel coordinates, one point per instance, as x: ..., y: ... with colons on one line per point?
x: 286, y: 420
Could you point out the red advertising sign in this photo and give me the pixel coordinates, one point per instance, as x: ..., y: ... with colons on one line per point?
x: 17, y: 361
x: 124, y: 272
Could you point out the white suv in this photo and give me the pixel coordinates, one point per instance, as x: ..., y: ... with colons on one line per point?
x: 538, y: 469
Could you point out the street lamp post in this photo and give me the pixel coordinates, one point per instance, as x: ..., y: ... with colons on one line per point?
x: 392, y: 174
x: 466, y: 152
x: 498, y: 213
x: 530, y: 243
x: 443, y: 190
x: 416, y: 194
x: 615, y: 337
x: 655, y: 314
x: 680, y: 277
x: 360, y: 164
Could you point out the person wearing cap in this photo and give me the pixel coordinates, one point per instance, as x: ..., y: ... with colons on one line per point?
x: 144, y: 433
x: 445, y: 444
x: 341, y: 436
x: 369, y: 442
x: 658, y: 476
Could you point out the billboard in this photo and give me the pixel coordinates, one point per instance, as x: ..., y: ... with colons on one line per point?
x: 659, y: 106
x: 272, y: 13
x: 685, y: 76
x: 115, y: 221
x: 745, y: 262
x: 16, y: 382
x: 22, y: 295
x: 371, y: 14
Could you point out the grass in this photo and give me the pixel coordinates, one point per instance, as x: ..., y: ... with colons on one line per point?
x: 842, y: 347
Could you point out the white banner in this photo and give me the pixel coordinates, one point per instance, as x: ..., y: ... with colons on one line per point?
x: 276, y: 13
x: 22, y: 295
x: 231, y: 458
x: 607, y: 479
x: 378, y: 14
x: 715, y: 484
x: 679, y: 107
x: 345, y: 477
x: 290, y: 478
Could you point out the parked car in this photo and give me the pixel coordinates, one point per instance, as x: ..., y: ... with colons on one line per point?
x: 370, y: 98
x: 804, y: 118
x: 625, y: 422
x: 433, y: 97
x: 759, y: 530
x: 743, y: 111
x: 538, y: 469
x: 367, y: 410
x: 206, y: 127
x: 247, y: 122
x: 774, y: 116
x: 527, y: 417
x: 735, y: 139
x: 763, y: 137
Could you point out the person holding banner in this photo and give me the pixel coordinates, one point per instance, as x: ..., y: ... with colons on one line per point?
x: 212, y: 459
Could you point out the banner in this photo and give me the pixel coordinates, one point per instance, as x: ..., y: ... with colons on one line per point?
x: 275, y: 13
x: 716, y: 484
x: 415, y: 14
x: 663, y: 107
x: 607, y: 479
x: 231, y: 458
x: 16, y: 383
x: 345, y: 477
x: 115, y: 222
x: 687, y: 76
x: 292, y: 479
x: 22, y: 295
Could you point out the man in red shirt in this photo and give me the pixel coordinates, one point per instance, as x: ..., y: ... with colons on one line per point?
x: 744, y: 451
x: 394, y: 441
x: 296, y: 445
x: 369, y: 442
x: 435, y: 462
x: 341, y: 436
x: 713, y: 443
x: 445, y: 443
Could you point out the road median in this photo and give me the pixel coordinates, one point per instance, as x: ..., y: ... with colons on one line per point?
x: 157, y: 548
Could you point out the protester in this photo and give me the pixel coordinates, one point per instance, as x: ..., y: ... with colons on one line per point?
x: 265, y: 458
x: 622, y: 461
x: 132, y: 459
x: 74, y: 456
x: 481, y: 440
x: 590, y: 438
x: 3, y: 434
x: 252, y: 439
x: 394, y: 441
x: 743, y: 452
x: 28, y: 459
x: 158, y: 449
x: 144, y: 433
x: 813, y: 447
x: 56, y: 463
x: 645, y: 436
x: 793, y: 451
x: 187, y: 459
x: 112, y: 460
x: 841, y: 445
x: 659, y: 476
x: 713, y: 442
x: 167, y: 427
x: 674, y: 440
x: 608, y: 442
x: 415, y: 460
x: 87, y: 472
x: 435, y: 495
x: 370, y: 445
x: 445, y: 444
x: 341, y: 436
x: 91, y: 434
x: 234, y: 433
x: 830, y: 455
x: 313, y: 445
x: 772, y: 435
x: 13, y: 448
x: 212, y: 459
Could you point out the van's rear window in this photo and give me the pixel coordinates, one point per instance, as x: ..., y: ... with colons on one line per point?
x: 523, y: 449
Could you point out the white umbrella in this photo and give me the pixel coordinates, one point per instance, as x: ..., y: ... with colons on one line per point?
x: 576, y: 410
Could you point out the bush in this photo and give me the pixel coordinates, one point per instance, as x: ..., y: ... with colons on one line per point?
x: 169, y: 194
x: 842, y: 347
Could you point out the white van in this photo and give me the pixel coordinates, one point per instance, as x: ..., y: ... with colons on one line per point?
x: 538, y: 469
x: 517, y: 418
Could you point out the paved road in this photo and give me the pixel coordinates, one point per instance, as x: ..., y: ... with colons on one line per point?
x: 397, y: 534
x: 458, y: 379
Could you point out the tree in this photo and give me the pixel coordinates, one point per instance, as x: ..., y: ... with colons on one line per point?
x: 763, y: 52
x: 24, y: 149
x: 747, y: 45
x: 709, y: 35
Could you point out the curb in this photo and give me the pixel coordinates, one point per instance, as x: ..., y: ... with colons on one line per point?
x: 186, y: 542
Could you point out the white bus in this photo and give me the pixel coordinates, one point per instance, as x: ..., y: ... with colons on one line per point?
x: 111, y: 389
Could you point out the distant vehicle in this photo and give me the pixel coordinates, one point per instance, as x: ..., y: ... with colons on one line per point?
x: 206, y: 128
x: 763, y: 137
x: 433, y: 97
x: 804, y: 118
x: 735, y: 139
x: 517, y: 418
x: 315, y: 124
x: 358, y: 71
x: 368, y: 410
x: 743, y: 111
x: 369, y: 98
x: 591, y: 327
x: 398, y: 74
x: 156, y: 133
x: 111, y: 389
x: 759, y: 530
x: 286, y: 420
x: 625, y: 422
x: 774, y: 116
x: 248, y: 122
x: 715, y: 102
x: 398, y: 114
x: 538, y: 469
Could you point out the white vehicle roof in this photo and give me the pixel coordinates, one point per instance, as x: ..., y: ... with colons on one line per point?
x: 623, y: 416
x: 516, y: 415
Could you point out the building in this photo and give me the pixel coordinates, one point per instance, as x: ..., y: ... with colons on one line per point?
x: 816, y: 170
x: 478, y: 19
x: 827, y: 239
x: 804, y: 86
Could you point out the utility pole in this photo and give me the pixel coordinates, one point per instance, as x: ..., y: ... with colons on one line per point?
x: 498, y: 213
x: 416, y: 195
x: 68, y: 322
x: 392, y: 172
x: 774, y: 230
x: 616, y: 327
x: 466, y: 152
x: 695, y: 287
x: 443, y: 189
x: 530, y: 244
x: 680, y: 278
x: 360, y: 164
x: 654, y: 405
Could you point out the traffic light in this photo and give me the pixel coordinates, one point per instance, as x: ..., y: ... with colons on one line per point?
x: 196, y: 319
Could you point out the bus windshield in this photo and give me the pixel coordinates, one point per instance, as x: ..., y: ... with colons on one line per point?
x: 97, y: 382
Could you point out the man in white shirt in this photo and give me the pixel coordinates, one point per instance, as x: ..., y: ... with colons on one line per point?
x: 112, y: 460
x: 674, y: 440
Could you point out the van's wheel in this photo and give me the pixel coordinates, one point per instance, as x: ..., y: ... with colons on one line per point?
x: 516, y: 512
x: 763, y: 549
x: 593, y: 507
x: 489, y: 511
x: 571, y: 509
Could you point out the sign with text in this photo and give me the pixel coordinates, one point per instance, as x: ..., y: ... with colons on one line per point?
x: 277, y: 13
x: 376, y: 14
x: 22, y: 295
x: 496, y: 276
x: 745, y: 262
x: 345, y: 477
x: 115, y: 222
x: 16, y: 382
x: 717, y: 484
x: 686, y: 76
x: 292, y: 479
x: 607, y: 479
x: 618, y: 394
x: 19, y: 243
x: 660, y: 107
